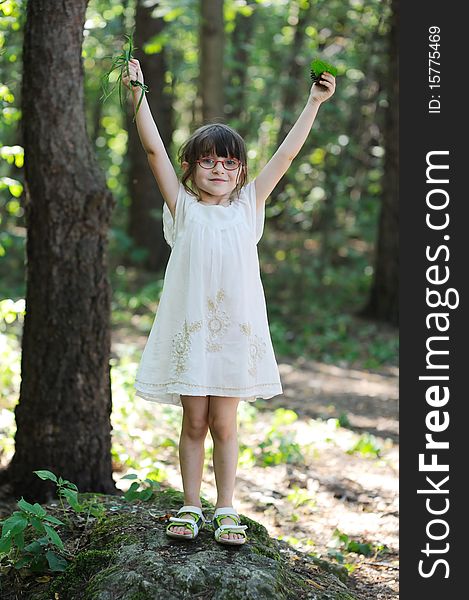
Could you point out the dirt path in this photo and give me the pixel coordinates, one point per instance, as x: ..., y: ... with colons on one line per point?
x: 354, y: 493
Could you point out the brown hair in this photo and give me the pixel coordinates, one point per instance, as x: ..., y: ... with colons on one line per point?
x: 214, y: 138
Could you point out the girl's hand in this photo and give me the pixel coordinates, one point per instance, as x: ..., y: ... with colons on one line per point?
x: 135, y: 74
x: 322, y: 90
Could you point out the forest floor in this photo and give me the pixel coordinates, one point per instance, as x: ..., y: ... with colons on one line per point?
x: 328, y: 490
x: 355, y: 493
x: 320, y: 494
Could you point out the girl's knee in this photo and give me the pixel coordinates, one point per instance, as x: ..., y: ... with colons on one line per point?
x: 222, y: 417
x: 195, y: 426
x: 195, y: 416
x: 195, y: 430
x: 221, y: 429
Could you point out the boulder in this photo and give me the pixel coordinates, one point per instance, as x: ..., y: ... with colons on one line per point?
x: 127, y: 555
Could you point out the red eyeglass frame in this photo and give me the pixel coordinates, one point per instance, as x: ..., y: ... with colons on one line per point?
x: 219, y: 160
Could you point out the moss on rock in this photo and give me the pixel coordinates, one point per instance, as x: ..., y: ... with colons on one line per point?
x: 128, y: 556
x: 114, y: 531
x: 78, y: 575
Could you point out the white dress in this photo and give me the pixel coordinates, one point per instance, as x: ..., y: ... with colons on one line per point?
x: 210, y: 335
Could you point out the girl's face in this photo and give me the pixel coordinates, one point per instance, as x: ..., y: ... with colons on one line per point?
x: 216, y: 182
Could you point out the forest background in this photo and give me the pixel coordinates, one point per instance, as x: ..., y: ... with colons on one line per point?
x: 329, y: 252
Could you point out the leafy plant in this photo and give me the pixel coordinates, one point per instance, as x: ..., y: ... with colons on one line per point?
x: 279, y: 446
x: 342, y: 543
x: 319, y: 66
x: 343, y: 420
x: 69, y: 491
x: 134, y: 493
x: 367, y: 445
x: 40, y: 553
x: 121, y: 62
x: 299, y: 497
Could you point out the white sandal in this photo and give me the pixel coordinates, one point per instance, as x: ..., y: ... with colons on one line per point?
x: 218, y: 516
x: 194, y: 525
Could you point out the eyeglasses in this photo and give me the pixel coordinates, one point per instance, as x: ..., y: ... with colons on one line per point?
x: 230, y: 164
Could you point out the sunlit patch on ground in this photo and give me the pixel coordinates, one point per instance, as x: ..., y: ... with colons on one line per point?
x: 318, y: 465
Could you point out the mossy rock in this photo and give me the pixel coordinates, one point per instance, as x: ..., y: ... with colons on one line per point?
x: 128, y: 556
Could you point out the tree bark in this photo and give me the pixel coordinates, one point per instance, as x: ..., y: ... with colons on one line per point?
x: 383, y: 303
x: 146, y: 209
x: 236, y: 110
x: 212, y: 42
x: 290, y: 92
x: 63, y: 414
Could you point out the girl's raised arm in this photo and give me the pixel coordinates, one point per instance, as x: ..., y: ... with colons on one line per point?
x: 152, y: 143
x: 292, y: 144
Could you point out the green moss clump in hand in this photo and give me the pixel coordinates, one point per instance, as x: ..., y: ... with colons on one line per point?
x: 318, y: 67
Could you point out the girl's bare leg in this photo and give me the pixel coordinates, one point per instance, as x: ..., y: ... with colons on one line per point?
x: 192, y: 451
x: 222, y: 420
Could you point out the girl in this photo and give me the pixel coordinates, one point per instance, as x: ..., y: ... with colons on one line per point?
x: 210, y: 344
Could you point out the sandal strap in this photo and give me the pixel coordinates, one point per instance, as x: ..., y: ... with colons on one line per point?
x: 191, y: 526
x: 194, y: 526
x: 233, y: 528
x: 191, y: 509
x: 219, y: 532
x: 195, y: 511
x: 222, y: 513
x: 178, y: 520
x: 225, y: 510
x: 219, y: 518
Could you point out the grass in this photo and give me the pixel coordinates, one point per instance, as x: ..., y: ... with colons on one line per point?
x: 121, y: 63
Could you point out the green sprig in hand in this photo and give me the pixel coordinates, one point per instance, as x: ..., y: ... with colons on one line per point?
x: 319, y: 66
x: 121, y: 62
x: 323, y: 75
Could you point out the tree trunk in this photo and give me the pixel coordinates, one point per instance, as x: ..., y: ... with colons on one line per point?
x: 290, y: 92
x: 146, y: 209
x: 212, y: 41
x: 63, y: 415
x: 236, y: 110
x: 383, y: 303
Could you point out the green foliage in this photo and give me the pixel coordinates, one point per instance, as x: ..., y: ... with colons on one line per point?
x: 342, y: 546
x: 318, y: 67
x: 149, y: 488
x: 367, y: 445
x: 121, y: 62
x: 44, y: 549
x: 300, y: 497
x: 69, y: 491
x: 41, y: 552
x: 343, y: 420
x: 279, y: 445
x: 313, y: 315
x: 315, y: 318
x: 11, y: 323
x: 12, y: 17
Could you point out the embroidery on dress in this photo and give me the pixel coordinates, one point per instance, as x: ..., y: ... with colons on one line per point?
x: 218, y: 322
x: 256, y: 348
x: 182, y: 344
